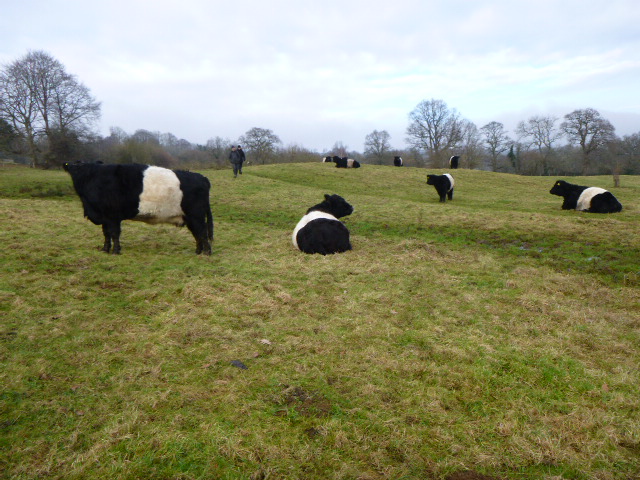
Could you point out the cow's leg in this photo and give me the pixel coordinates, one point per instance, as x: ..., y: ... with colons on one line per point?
x: 450, y: 194
x: 198, y: 229
x: 107, y: 238
x: 114, y: 230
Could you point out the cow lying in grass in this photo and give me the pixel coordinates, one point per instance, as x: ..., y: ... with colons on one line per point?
x: 320, y: 231
x: 342, y: 162
x: 444, y: 185
x: 113, y: 193
x: 585, y: 199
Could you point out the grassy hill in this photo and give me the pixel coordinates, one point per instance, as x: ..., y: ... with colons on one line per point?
x: 495, y: 335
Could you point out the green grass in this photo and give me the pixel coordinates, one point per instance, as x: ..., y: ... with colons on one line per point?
x: 495, y: 333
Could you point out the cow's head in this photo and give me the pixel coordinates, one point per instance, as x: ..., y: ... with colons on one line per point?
x: 559, y: 188
x: 431, y: 179
x: 338, y: 206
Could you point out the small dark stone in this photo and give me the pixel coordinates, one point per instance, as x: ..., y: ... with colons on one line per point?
x: 239, y: 364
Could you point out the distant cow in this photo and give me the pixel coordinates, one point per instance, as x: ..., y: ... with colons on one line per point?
x: 344, y: 162
x: 327, y: 160
x: 113, y: 193
x: 320, y: 231
x: 586, y: 199
x: 444, y: 185
x: 397, y: 161
x: 453, y: 161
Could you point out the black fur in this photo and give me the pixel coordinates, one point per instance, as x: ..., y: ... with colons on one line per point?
x: 601, y: 203
x: 345, y: 162
x: 443, y: 186
x: 397, y: 161
x: 325, y: 235
x: 111, y: 194
x: 453, y: 161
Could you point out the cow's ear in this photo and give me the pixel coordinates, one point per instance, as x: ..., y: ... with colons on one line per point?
x: 327, y: 196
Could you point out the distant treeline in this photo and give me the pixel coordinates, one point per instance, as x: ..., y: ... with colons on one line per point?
x: 47, y: 117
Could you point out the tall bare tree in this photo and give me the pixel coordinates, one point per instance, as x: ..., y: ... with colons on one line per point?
x: 434, y: 129
x: 18, y: 106
x: 590, y: 130
x: 496, y: 140
x: 41, y: 99
x: 540, y: 133
x: 471, y: 146
x: 339, y: 149
x: 219, y: 148
x: 261, y: 143
x: 377, y: 146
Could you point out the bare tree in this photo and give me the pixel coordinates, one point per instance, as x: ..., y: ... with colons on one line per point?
x: 339, y: 149
x: 540, y: 133
x: 261, y: 143
x: 435, y: 129
x: 18, y: 106
x: 219, y: 148
x: 496, y: 140
x: 377, y: 146
x: 630, y: 153
x: 588, y: 129
x: 297, y: 153
x: 145, y: 136
x: 41, y: 99
x: 471, y: 147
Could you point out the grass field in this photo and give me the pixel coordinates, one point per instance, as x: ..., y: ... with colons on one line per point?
x: 492, y: 337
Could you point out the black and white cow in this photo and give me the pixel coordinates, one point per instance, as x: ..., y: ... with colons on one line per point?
x: 585, y: 199
x: 453, y: 161
x: 444, y: 185
x: 320, y: 231
x: 397, y: 161
x: 113, y: 193
x: 327, y: 160
x: 344, y: 162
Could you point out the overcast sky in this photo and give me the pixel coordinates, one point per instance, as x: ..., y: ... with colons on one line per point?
x: 328, y: 71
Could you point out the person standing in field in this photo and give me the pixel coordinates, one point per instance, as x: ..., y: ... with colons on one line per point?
x: 236, y: 160
x: 242, y: 158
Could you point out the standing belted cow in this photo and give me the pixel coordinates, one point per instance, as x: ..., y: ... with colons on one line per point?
x: 397, y: 161
x: 453, y: 161
x: 113, y: 193
x: 444, y: 185
x: 585, y: 199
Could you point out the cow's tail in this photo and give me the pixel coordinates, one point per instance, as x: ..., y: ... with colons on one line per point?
x: 209, y: 224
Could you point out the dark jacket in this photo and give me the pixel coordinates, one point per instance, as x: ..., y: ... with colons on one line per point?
x: 242, y: 155
x: 235, y: 157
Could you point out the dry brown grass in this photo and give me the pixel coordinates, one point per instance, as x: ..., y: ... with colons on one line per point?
x: 455, y: 341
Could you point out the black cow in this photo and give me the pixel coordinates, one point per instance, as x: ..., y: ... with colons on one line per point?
x: 397, y: 161
x: 453, y: 161
x: 320, y: 231
x: 344, y: 162
x: 585, y: 199
x: 113, y: 193
x: 327, y: 160
x: 444, y: 185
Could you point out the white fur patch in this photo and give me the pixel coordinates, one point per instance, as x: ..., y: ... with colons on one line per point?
x: 350, y: 162
x: 451, y: 180
x: 309, y: 217
x: 584, y: 200
x: 160, y: 198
